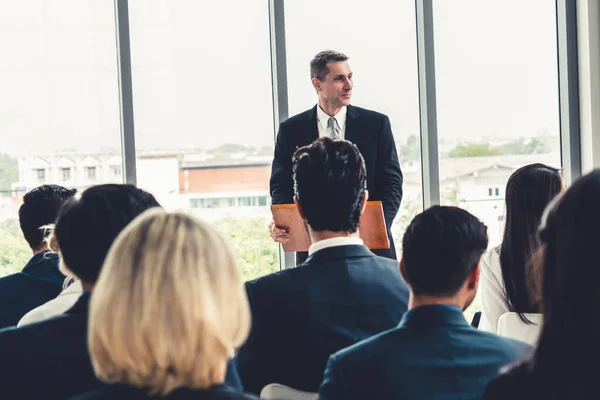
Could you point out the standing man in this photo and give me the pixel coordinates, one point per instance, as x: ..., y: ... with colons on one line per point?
x: 334, y: 117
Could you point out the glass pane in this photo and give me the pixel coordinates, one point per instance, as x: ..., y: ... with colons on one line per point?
x: 497, y: 94
x: 380, y: 39
x: 59, y: 108
x: 204, y: 115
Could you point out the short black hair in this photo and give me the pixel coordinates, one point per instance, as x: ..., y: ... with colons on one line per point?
x: 86, y: 228
x: 40, y: 207
x: 330, y: 183
x: 318, y: 65
x: 440, y: 248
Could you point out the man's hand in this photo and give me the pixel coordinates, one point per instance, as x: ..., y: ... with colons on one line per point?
x: 277, y: 234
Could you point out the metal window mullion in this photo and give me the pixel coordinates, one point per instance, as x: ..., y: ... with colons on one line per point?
x: 568, y: 89
x: 279, y: 87
x: 427, y: 103
x: 125, y: 90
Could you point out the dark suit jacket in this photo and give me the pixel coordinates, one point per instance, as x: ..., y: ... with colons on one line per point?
x: 433, y: 354
x: 50, y: 359
x: 122, y: 392
x: 519, y: 383
x: 39, y: 281
x: 302, y: 315
x: 372, y: 134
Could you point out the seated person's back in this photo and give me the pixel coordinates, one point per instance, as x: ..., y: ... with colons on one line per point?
x: 434, y: 352
x: 53, y: 353
x: 563, y: 366
x: 180, y: 347
x: 40, y: 280
x: 342, y: 294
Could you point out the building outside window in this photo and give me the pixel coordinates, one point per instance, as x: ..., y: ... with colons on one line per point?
x: 91, y: 173
x: 66, y: 174
x: 41, y: 175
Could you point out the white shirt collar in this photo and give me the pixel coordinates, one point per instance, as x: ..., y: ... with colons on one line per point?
x: 340, y: 117
x: 333, y: 242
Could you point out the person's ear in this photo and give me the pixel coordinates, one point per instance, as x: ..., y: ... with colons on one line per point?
x: 473, y: 279
x: 364, y: 202
x: 299, y: 208
x: 316, y: 84
x: 403, y: 270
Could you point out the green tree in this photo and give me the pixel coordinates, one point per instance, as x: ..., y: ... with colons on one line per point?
x: 411, y: 149
x: 14, y: 251
x: 256, y: 253
x: 473, y: 150
x: 9, y: 172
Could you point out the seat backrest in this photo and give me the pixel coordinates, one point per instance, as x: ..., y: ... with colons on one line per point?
x: 281, y: 392
x: 511, y: 326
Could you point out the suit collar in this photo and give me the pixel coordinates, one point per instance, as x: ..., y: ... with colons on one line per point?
x: 339, y: 253
x: 434, y: 315
x: 350, y: 110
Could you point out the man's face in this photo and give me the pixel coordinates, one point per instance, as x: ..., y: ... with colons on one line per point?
x: 336, y: 89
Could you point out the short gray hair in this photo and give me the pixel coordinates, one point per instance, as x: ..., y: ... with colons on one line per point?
x: 318, y: 65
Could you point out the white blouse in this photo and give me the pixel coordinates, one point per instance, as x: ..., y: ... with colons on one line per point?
x: 492, y: 294
x: 55, y: 307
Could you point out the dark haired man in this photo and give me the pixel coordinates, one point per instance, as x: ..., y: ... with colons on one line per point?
x: 334, y: 117
x: 434, y: 352
x: 342, y: 294
x: 40, y: 280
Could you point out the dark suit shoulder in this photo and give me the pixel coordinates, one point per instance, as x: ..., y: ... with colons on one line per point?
x: 364, y: 112
x: 491, y: 340
x: 271, y: 284
x: 303, y: 116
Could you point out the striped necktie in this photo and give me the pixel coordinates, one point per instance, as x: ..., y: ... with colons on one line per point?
x: 333, y: 128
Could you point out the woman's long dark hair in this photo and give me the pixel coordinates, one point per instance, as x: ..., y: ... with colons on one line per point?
x: 528, y: 192
x: 569, y: 344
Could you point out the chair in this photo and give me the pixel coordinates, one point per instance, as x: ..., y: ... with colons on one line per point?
x: 511, y: 326
x: 281, y: 392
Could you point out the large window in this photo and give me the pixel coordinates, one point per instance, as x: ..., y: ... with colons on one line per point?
x: 59, y: 104
x: 497, y: 97
x: 204, y: 115
x: 379, y: 37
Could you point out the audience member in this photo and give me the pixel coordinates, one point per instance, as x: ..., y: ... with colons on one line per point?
x: 434, y: 352
x: 52, y: 355
x: 505, y: 278
x: 181, y: 346
x: 40, y: 280
x: 342, y: 294
x: 57, y: 306
x: 563, y: 366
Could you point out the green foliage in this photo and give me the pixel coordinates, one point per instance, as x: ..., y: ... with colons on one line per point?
x: 473, y: 150
x: 257, y: 254
x: 14, y: 251
x: 536, y: 145
x: 411, y: 149
x: 9, y: 172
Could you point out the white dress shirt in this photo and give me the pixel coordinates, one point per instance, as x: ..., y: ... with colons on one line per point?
x: 322, y: 119
x: 333, y: 242
x: 491, y: 291
x: 55, y: 307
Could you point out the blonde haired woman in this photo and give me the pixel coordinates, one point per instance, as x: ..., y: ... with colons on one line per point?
x: 167, y: 312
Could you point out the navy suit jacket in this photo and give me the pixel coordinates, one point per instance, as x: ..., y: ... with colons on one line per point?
x: 372, y: 134
x: 302, y: 315
x: 50, y: 359
x: 39, y: 281
x: 433, y: 354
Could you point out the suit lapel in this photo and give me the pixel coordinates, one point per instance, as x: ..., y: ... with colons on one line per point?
x: 312, y: 132
x: 354, y: 126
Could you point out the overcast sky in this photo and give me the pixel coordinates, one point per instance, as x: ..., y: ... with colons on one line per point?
x: 201, y: 69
